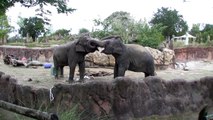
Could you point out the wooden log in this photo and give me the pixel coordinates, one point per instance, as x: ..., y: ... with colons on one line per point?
x: 36, y: 114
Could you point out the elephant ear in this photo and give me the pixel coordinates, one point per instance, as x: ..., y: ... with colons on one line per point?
x: 118, y: 48
x: 79, y: 45
x: 79, y: 48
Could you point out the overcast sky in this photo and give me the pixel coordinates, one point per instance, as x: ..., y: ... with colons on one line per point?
x: 193, y: 11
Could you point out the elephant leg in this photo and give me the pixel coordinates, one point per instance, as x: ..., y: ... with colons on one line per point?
x: 72, y: 72
x: 146, y: 74
x: 116, y: 70
x: 56, y: 72
x: 62, y: 71
x: 121, y: 70
x: 81, y: 71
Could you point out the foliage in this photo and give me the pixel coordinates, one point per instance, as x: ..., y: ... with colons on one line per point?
x: 174, y: 23
x: 118, y: 23
x: 5, y: 28
x: 100, y: 32
x: 178, y: 44
x: 60, y: 5
x: 195, y: 31
x: 202, y: 36
x: 32, y: 26
x: 71, y: 114
x: 122, y: 24
x: 61, y: 32
x: 42, y: 11
x: 83, y: 30
x: 207, y: 33
x: 149, y: 36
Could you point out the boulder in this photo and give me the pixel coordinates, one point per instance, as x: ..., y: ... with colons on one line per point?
x: 160, y: 58
x: 101, y: 59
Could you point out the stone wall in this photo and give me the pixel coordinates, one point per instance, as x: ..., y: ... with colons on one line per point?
x: 194, y: 53
x: 161, y: 58
x: 41, y: 54
x: 121, y: 99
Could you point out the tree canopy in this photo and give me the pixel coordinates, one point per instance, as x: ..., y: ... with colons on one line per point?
x: 118, y: 23
x: 122, y: 24
x: 61, y: 5
x: 174, y: 23
x: 61, y: 32
x: 42, y: 12
x: 5, y: 28
x: 32, y: 26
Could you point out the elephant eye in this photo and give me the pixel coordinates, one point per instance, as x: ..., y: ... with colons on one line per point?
x: 107, y: 43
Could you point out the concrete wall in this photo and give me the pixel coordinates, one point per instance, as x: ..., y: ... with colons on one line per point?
x: 41, y: 54
x: 121, y: 99
x: 194, y: 53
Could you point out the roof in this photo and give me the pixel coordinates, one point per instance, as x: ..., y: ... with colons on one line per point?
x: 185, y: 36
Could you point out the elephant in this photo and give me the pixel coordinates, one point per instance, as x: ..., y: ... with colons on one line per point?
x: 73, y: 53
x: 131, y: 57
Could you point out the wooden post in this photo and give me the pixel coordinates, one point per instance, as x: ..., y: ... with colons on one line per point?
x: 36, y: 114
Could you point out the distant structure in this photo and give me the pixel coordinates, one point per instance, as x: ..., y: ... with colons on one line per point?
x: 184, y: 38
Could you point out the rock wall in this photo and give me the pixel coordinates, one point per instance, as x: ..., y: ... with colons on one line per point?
x: 41, y: 54
x: 163, y: 58
x: 120, y: 99
x: 194, y: 53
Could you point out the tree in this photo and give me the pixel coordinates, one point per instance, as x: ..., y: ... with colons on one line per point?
x: 196, y: 32
x: 42, y: 11
x: 61, y: 5
x: 118, y: 23
x: 61, y: 32
x: 83, y: 30
x: 174, y: 23
x: 149, y: 35
x: 33, y: 27
x: 207, y: 32
x: 5, y: 28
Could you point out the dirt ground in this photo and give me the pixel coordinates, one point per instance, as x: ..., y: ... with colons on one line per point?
x: 41, y: 77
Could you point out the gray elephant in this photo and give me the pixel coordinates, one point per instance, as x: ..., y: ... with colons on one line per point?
x: 128, y: 57
x: 73, y: 53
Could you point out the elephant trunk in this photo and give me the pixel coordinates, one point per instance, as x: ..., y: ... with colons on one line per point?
x: 98, y: 43
x: 92, y: 44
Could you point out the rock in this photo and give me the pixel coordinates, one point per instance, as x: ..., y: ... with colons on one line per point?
x: 157, y: 55
x: 160, y: 58
x: 168, y: 56
x: 101, y: 59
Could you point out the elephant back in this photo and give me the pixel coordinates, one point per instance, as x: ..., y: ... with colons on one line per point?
x: 136, y: 47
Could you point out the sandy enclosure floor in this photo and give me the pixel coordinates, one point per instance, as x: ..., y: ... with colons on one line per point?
x: 42, y: 77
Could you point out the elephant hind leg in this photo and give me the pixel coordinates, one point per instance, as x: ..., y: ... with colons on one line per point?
x: 146, y: 74
x: 61, y: 69
x: 149, y: 74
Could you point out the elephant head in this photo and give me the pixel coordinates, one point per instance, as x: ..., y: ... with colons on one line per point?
x: 86, y: 44
x: 113, y: 45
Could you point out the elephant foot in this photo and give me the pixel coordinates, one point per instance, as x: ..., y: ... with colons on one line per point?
x: 70, y: 81
x: 81, y: 80
x: 61, y: 76
x: 56, y: 77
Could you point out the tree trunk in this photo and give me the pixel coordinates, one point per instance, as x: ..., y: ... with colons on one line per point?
x: 37, y: 114
x: 5, y: 39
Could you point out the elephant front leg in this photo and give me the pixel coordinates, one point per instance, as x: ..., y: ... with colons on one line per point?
x: 116, y: 70
x: 121, y: 70
x: 55, y: 72
x: 81, y: 71
x: 62, y: 71
x: 72, y: 72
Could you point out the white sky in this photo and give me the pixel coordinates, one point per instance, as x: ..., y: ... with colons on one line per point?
x: 193, y: 11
